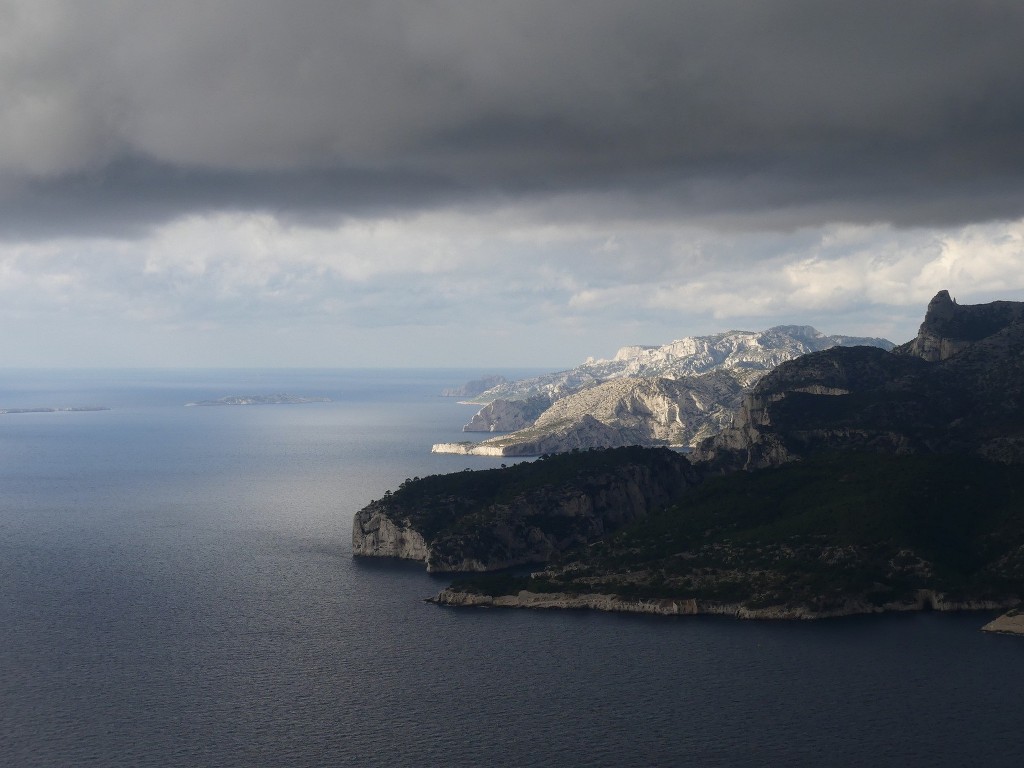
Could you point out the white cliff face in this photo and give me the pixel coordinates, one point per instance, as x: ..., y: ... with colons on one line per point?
x: 624, y: 411
x: 692, y: 355
x: 508, y: 415
x: 374, y: 534
x: 675, y: 394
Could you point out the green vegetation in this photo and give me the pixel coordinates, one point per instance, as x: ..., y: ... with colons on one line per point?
x: 845, y: 526
x: 462, y: 500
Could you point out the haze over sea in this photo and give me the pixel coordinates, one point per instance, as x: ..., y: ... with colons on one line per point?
x: 177, y: 589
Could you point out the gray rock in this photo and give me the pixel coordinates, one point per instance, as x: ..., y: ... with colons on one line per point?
x: 676, y: 394
x: 503, y: 415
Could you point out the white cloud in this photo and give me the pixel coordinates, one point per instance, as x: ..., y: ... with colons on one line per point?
x: 510, y: 276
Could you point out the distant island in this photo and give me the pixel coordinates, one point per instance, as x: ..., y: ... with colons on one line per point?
x: 76, y: 409
x: 278, y: 399
x: 475, y: 387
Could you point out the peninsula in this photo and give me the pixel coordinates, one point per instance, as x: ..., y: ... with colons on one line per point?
x: 852, y: 480
x: 672, y: 395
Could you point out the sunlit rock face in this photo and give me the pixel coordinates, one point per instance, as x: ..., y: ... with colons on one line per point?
x: 503, y: 415
x: 676, y: 394
x: 689, y: 356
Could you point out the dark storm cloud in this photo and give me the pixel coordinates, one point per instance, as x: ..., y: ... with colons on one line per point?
x: 129, y: 195
x: 779, y: 112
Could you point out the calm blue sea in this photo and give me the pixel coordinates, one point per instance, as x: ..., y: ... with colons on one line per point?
x: 177, y: 589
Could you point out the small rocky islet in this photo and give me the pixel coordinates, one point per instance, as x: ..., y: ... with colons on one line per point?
x: 276, y: 399
x: 851, y: 480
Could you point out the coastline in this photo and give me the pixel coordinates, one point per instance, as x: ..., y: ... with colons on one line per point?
x: 1010, y: 623
x: 925, y: 600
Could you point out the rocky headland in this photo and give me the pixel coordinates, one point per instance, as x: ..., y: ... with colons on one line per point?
x: 671, y: 395
x: 885, y: 481
x: 831, y: 536
x: 498, y: 518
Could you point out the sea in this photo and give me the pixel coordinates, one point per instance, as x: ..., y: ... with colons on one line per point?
x: 177, y: 589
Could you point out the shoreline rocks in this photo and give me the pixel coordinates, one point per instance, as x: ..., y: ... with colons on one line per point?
x: 925, y: 600
x: 1010, y: 623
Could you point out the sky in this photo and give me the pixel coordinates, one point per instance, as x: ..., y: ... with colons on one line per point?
x: 321, y: 183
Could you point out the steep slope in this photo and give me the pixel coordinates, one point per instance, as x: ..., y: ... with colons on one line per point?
x: 949, y: 328
x: 625, y: 411
x: 833, y: 535
x: 508, y: 415
x: 494, y: 519
x: 671, y: 395
x: 688, y: 356
x: 958, y: 387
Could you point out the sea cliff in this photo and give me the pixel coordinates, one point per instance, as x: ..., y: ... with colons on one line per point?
x: 523, y: 514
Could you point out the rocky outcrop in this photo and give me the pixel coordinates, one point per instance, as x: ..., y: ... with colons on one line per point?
x: 676, y: 394
x: 688, y: 356
x: 949, y: 328
x: 581, y: 433
x: 925, y: 600
x: 508, y: 415
x: 468, y: 448
x: 495, y: 519
x: 834, y: 535
x: 638, y: 411
x: 1010, y: 623
x: 954, y: 389
x: 627, y: 411
x: 375, y: 534
x: 566, y: 601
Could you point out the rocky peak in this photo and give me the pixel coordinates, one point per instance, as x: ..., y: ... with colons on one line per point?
x: 949, y: 328
x: 956, y: 388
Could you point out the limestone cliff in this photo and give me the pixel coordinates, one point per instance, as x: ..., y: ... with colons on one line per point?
x: 688, y: 356
x: 503, y: 415
x: 624, y: 411
x: 675, y: 394
x: 494, y: 519
x: 375, y: 534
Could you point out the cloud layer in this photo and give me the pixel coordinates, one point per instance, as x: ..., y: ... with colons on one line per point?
x: 453, y: 182
x: 496, y: 288
x: 909, y: 113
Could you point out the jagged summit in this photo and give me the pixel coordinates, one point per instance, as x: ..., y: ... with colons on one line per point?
x: 958, y: 387
x: 949, y: 328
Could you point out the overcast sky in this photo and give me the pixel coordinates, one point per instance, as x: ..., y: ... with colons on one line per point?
x: 500, y: 183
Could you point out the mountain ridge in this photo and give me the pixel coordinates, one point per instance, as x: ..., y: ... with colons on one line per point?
x: 674, y: 394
